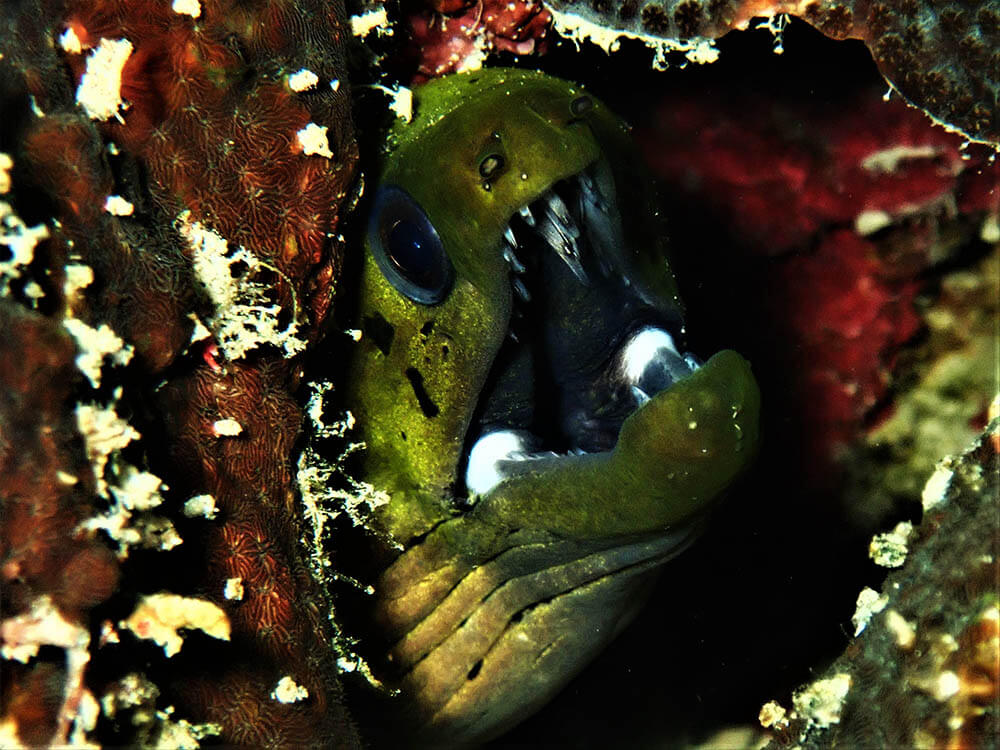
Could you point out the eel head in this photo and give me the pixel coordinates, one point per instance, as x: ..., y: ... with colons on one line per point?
x: 525, y: 396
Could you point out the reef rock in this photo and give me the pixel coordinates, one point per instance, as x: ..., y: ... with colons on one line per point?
x: 173, y: 176
x: 923, y: 670
x: 941, y: 55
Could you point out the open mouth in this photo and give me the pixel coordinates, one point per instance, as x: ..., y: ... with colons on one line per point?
x: 587, y: 344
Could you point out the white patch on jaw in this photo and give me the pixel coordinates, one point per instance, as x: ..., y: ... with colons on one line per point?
x: 483, y: 472
x: 642, y: 349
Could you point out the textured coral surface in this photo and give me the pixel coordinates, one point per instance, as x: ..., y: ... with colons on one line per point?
x: 926, y: 670
x: 864, y: 211
x: 453, y: 36
x: 188, y: 183
x: 46, y: 491
x: 941, y: 55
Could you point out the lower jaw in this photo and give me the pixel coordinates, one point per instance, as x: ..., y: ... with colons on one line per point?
x: 674, y: 456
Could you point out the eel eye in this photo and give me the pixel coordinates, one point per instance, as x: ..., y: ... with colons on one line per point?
x: 407, y: 248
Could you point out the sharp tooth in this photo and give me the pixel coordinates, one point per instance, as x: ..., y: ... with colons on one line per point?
x: 522, y: 290
x: 508, y: 255
x: 641, y: 397
x: 557, y: 211
x: 650, y: 360
x: 591, y: 192
x: 508, y: 234
x: 565, y: 247
x: 551, y: 234
x: 526, y: 215
x: 484, y: 472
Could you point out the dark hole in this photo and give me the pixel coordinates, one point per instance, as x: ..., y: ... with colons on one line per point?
x: 444, y: 351
x: 427, y: 327
x: 379, y: 330
x: 427, y: 406
x: 475, y: 669
x: 6, y: 254
x: 238, y: 269
x: 402, y: 435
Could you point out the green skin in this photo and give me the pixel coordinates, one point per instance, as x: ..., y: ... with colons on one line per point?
x: 674, y: 455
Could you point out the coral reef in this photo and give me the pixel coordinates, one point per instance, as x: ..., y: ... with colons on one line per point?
x: 924, y: 670
x: 940, y: 55
x: 944, y: 403
x: 169, y: 242
x: 186, y: 165
x: 457, y: 35
x: 51, y: 577
x: 848, y: 246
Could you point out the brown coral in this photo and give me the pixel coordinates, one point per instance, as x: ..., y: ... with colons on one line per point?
x: 202, y: 139
x: 455, y: 36
x: 235, y: 161
x: 941, y: 55
x: 46, y: 486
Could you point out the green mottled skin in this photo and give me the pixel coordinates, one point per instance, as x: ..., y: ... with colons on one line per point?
x: 662, y: 474
x: 443, y: 147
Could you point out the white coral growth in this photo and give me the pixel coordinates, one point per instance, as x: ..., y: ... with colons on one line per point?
x: 245, y: 317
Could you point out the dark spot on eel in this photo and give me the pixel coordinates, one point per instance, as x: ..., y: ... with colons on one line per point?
x: 427, y: 406
x: 379, y: 330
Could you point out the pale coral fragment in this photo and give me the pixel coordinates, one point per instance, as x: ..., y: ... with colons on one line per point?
x: 313, y: 141
x: 889, y: 549
x: 289, y: 691
x: 158, y: 617
x: 99, y: 92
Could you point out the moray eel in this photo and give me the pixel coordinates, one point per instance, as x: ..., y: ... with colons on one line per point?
x: 525, y: 397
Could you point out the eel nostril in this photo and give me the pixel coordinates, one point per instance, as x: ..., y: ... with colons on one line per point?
x: 491, y: 166
x: 581, y: 105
